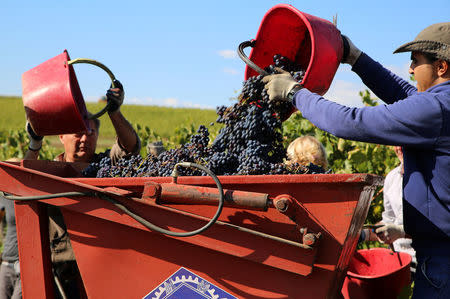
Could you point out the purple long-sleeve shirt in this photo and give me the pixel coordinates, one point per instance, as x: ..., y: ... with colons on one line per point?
x: 420, y: 123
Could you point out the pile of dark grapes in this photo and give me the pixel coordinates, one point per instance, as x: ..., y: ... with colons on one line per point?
x: 249, y: 143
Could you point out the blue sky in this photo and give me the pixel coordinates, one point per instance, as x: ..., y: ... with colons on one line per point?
x: 182, y: 53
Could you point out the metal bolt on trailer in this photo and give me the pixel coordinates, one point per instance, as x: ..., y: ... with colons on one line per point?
x: 277, y: 236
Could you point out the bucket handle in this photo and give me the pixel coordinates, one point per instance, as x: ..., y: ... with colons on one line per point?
x: 240, y: 51
x: 103, y: 67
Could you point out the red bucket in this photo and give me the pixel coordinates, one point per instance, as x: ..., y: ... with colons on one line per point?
x: 52, y: 97
x: 377, y: 273
x: 311, y: 42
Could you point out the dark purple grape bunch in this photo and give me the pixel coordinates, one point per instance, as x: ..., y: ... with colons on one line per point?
x: 249, y: 142
x: 101, y: 164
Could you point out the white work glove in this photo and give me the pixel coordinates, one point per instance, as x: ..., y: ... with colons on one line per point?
x: 280, y: 85
x: 115, y: 96
x: 390, y: 232
x: 35, y: 140
x: 351, y: 52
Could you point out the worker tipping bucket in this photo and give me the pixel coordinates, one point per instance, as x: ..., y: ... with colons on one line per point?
x: 312, y: 42
x: 52, y: 97
x: 377, y: 273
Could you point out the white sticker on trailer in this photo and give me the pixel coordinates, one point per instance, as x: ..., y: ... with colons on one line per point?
x: 187, y: 285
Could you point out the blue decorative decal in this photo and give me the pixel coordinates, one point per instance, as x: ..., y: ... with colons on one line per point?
x: 185, y: 284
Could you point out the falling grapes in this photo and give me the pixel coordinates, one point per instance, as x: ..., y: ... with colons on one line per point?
x: 249, y: 143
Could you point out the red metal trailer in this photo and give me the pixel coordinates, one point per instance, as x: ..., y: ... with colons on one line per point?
x: 283, y: 236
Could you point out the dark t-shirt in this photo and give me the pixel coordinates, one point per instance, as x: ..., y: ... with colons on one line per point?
x: 61, y: 249
x: 10, y: 249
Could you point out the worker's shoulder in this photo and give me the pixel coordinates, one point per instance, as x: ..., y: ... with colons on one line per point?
x: 393, y: 175
x: 59, y: 158
x: 440, y: 91
x: 421, y: 104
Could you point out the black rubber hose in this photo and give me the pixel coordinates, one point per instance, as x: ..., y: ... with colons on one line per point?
x: 47, y: 196
x: 153, y: 227
x: 136, y: 217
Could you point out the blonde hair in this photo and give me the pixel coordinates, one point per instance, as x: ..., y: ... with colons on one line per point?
x: 307, y: 149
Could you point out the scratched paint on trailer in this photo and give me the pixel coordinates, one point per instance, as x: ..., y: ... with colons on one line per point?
x: 185, y: 284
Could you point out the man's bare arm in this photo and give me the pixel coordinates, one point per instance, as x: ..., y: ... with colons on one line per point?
x: 124, y: 130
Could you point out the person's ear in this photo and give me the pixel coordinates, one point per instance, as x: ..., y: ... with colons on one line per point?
x: 443, y: 68
x: 61, y: 138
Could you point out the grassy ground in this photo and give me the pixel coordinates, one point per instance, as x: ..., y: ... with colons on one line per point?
x: 162, y: 120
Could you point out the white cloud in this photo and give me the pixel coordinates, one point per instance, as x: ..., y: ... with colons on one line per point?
x: 231, y: 71
x: 345, y: 69
x: 195, y: 105
x: 171, y: 102
x: 91, y: 99
x: 402, y: 71
x: 228, y: 54
x: 345, y: 93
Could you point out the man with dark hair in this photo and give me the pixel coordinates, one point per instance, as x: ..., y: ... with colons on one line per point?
x: 80, y: 147
x: 418, y: 119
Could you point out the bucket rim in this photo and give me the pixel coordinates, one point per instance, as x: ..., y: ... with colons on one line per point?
x: 315, y: 36
x: 78, y: 104
x: 304, y: 18
x: 367, y: 277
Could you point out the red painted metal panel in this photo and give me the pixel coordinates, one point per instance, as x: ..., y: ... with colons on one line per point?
x: 120, y: 258
x: 34, y: 253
